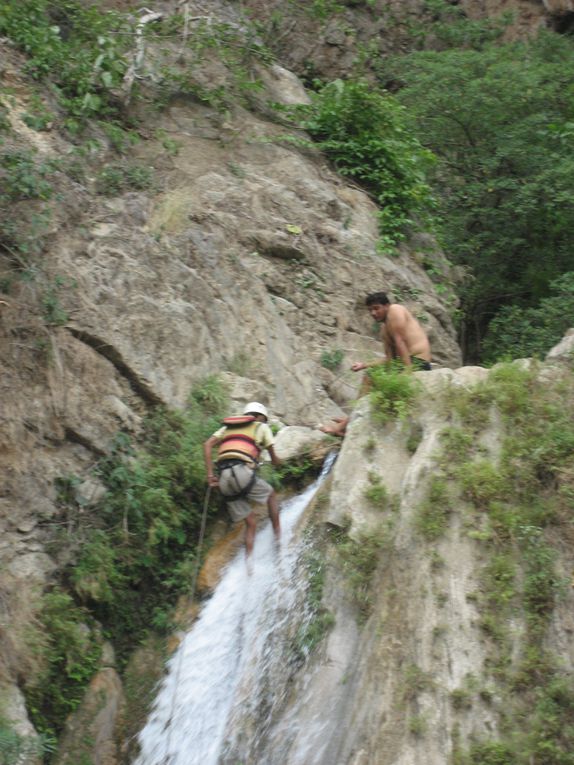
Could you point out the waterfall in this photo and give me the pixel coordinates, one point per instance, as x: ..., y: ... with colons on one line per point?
x: 222, y: 667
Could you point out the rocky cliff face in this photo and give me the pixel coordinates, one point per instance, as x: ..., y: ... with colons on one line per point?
x: 437, y: 652
x: 329, y: 40
x: 245, y: 257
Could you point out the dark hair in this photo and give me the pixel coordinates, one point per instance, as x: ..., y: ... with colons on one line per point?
x: 377, y: 298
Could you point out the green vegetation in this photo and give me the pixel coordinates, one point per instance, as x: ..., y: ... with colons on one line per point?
x: 332, y: 359
x: 359, y: 559
x: 523, y: 332
x: 139, y: 548
x: 416, y: 681
x: 378, y: 496
x: 75, y: 47
x: 318, y: 619
x: 15, y: 748
x: 137, y: 551
x: 394, y: 392
x: 363, y: 132
x: 54, y: 312
x: 418, y: 725
x: 238, y: 48
x: 84, y: 54
x: 22, y: 177
x: 499, y: 119
x: 433, y: 514
x: 67, y: 649
x: 117, y: 178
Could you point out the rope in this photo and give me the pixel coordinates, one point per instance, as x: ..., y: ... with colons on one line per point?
x: 179, y: 658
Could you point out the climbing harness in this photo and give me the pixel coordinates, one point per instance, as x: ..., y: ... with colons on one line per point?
x: 241, y: 491
x: 168, y: 725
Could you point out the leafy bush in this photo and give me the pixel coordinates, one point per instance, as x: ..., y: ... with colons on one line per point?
x: 432, y: 515
x: 360, y: 559
x: 15, y: 748
x: 332, y: 359
x: 394, y: 391
x: 363, y: 131
x: 499, y: 123
x: 521, y: 332
x: 116, y: 178
x: 141, y: 550
x: 74, y: 46
x: 68, y: 651
x: 21, y: 177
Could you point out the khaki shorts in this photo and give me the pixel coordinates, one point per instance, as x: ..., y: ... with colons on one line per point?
x: 236, y: 478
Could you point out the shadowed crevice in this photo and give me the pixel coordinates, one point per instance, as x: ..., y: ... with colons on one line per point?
x: 112, y: 354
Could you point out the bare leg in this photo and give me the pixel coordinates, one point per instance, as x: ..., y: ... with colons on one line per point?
x: 250, y: 528
x: 336, y: 429
x: 273, y: 509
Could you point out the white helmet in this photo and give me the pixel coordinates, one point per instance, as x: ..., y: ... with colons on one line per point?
x: 256, y: 408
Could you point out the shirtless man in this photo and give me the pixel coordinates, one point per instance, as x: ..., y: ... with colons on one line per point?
x: 403, y: 338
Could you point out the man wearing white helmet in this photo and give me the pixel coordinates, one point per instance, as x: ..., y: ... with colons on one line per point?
x: 239, y: 443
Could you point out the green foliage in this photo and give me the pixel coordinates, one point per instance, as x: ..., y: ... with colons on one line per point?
x: 450, y: 26
x: 295, y: 473
x: 499, y: 580
x: 415, y: 681
x: 116, y: 178
x: 491, y: 753
x: 142, y: 553
x: 210, y: 395
x: 363, y: 131
x: 521, y: 332
x: 15, y: 748
x: 21, y: 177
x: 38, y: 118
x: 433, y: 514
x: 360, y: 559
x: 332, y: 359
x: 68, y: 650
x: 4, y: 122
x: 120, y: 138
x: 482, y: 482
x: 318, y: 619
x: 54, y: 312
x: 237, y: 47
x: 461, y: 698
x: 323, y: 9
x: 394, y: 391
x: 500, y: 121
x: 551, y: 738
x: 418, y: 725
x: 76, y: 47
x: 377, y: 495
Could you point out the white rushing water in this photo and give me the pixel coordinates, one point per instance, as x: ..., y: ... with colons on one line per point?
x: 213, y: 675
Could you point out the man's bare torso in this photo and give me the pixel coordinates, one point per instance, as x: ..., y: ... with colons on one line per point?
x: 400, y: 321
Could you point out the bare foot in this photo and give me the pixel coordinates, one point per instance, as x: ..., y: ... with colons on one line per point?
x: 335, y: 429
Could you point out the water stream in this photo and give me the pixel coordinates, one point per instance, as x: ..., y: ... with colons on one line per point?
x: 222, y: 666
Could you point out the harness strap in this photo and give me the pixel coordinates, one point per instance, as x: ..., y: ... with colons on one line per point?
x: 229, y: 465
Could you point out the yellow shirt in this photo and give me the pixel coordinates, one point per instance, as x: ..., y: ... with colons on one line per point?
x: 261, y: 434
